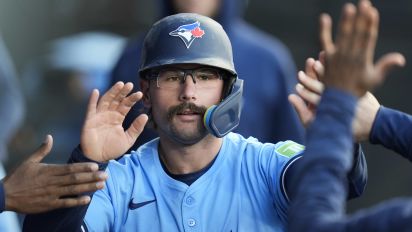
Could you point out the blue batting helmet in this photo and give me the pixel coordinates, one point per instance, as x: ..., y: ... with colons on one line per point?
x: 187, y: 38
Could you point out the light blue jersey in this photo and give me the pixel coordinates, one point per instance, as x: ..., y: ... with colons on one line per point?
x: 242, y: 191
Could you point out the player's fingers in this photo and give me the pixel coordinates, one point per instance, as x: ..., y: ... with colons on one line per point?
x: 79, y: 178
x: 42, y: 151
x: 325, y: 35
x: 387, y: 63
x: 136, y: 128
x: 108, y: 97
x: 305, y: 115
x: 127, y: 88
x: 345, y: 29
x: 127, y: 103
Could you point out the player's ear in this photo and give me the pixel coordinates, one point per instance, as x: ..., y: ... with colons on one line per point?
x: 144, y: 86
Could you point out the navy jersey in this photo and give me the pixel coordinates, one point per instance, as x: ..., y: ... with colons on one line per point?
x: 393, y: 129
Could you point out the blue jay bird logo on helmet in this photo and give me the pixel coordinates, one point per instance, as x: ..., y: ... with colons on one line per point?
x: 188, y: 33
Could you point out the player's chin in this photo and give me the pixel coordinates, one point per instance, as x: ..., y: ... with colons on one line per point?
x: 189, y: 136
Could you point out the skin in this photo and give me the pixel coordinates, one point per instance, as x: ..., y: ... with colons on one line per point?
x: 208, y: 8
x: 36, y: 187
x: 309, y: 91
x: 185, y: 147
x: 189, y: 146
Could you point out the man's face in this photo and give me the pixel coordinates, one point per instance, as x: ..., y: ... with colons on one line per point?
x: 208, y: 8
x: 178, y: 111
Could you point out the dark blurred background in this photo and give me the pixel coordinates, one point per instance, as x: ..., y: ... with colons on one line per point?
x: 28, y: 27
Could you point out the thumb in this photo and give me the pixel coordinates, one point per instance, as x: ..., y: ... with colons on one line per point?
x: 42, y: 151
x: 136, y: 128
x: 388, y: 62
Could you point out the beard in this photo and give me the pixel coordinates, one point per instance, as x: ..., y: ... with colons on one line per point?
x: 184, y: 135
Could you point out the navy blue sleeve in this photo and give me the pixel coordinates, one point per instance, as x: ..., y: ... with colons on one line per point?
x: 65, y: 219
x: 357, y: 177
x: 2, y: 198
x: 393, y: 129
x: 320, y: 184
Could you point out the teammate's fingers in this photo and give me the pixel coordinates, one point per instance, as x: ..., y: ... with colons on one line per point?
x: 387, y: 63
x: 325, y: 35
x: 309, y: 69
x: 360, y: 34
x: 65, y: 169
x: 373, y: 32
x: 319, y: 69
x: 70, y: 202
x: 42, y: 151
x: 307, y: 95
x: 322, y: 57
x: 136, y: 128
x: 72, y: 190
x: 310, y: 84
x: 305, y: 115
x: 79, y: 178
x: 345, y: 29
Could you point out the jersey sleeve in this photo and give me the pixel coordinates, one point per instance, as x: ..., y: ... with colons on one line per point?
x: 284, y: 156
x: 393, y: 130
x: 100, y: 214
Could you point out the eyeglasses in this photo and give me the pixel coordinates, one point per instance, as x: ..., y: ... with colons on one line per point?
x: 172, y: 78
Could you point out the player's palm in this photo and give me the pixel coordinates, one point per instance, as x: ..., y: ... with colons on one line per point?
x: 103, y: 137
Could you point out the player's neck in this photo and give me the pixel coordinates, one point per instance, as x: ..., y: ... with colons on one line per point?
x: 180, y: 159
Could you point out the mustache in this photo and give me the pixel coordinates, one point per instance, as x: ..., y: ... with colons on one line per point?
x: 179, y: 109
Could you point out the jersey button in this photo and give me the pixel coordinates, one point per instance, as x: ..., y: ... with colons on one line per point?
x: 190, y: 200
x: 191, y: 222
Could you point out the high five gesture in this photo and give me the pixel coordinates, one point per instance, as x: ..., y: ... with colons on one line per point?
x: 103, y: 137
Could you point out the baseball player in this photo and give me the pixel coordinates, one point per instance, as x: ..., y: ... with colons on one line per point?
x: 198, y: 175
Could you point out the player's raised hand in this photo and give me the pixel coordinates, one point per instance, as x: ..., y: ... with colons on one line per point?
x: 349, y: 61
x: 103, y: 137
x: 35, y: 187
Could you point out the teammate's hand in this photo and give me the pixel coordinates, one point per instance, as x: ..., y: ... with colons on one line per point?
x: 103, y: 137
x: 35, y: 187
x: 309, y: 91
x: 349, y: 61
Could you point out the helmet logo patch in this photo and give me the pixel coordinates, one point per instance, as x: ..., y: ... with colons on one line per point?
x: 188, y: 33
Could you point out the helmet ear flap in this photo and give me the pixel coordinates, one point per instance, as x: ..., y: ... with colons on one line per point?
x: 223, y: 118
